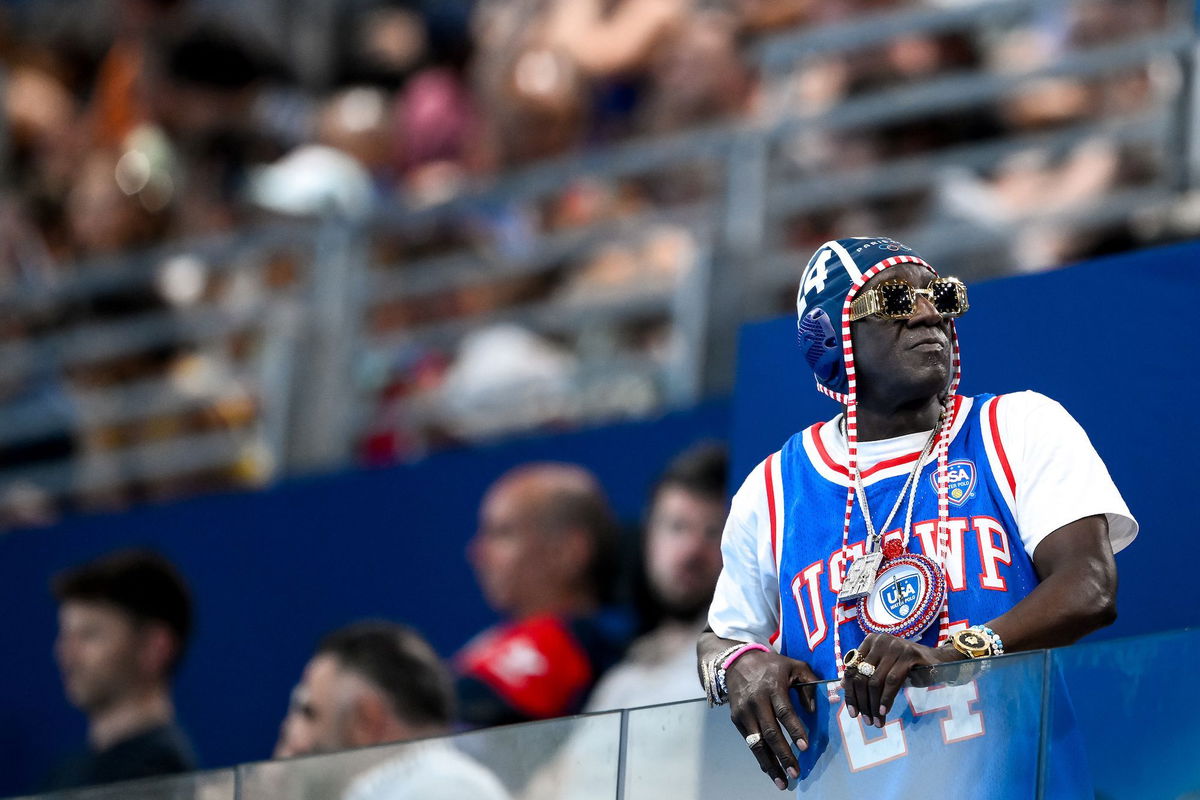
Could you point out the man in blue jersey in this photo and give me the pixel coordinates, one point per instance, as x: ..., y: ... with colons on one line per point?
x: 916, y: 528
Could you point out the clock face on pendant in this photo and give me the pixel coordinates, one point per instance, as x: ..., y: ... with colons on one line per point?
x: 907, y: 596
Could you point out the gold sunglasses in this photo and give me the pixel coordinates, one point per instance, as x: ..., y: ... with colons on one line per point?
x: 897, y: 299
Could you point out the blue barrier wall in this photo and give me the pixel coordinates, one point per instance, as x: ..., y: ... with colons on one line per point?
x: 272, y: 571
x: 1114, y: 341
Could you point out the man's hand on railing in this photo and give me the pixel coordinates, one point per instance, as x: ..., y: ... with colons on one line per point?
x: 758, y: 686
x: 891, y: 661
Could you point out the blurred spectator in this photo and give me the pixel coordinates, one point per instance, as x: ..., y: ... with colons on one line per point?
x: 375, y: 683
x: 205, y: 90
x: 702, y: 77
x: 682, y: 559
x: 296, y: 734
x: 38, y: 437
x: 765, y: 16
x: 545, y: 556
x: 385, y: 42
x: 313, y: 180
x: 102, y: 219
x: 124, y: 622
x: 557, y: 74
x: 436, y: 135
x: 119, y: 99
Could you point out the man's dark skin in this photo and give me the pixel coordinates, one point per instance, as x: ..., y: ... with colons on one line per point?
x: 903, y: 368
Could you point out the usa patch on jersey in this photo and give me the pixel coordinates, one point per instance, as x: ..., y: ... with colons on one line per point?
x: 960, y: 475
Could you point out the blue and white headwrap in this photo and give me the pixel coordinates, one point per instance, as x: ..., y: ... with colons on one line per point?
x: 833, y: 277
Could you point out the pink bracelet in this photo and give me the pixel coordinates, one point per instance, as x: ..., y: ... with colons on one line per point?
x: 741, y: 651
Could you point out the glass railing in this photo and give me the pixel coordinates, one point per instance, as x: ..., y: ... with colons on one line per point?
x: 953, y: 730
x: 1140, y: 739
x: 215, y: 785
x: 1105, y: 720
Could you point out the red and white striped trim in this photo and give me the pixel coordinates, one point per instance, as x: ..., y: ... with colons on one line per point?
x: 997, y: 455
x: 775, y: 513
x: 817, y: 446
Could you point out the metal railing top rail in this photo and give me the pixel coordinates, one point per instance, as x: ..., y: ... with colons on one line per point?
x: 954, y: 236
x: 620, y: 160
x: 781, y: 50
x: 920, y: 171
x: 155, y: 461
x: 117, y: 406
x: 96, y: 276
x: 440, y: 272
x: 99, y: 342
x: 715, y: 140
x: 969, y: 89
x: 647, y: 154
x: 584, y: 375
x: 431, y: 275
x: 554, y: 316
x: 950, y: 239
x: 875, y: 109
x: 592, y: 391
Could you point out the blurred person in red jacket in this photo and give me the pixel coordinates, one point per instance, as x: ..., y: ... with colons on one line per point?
x: 545, y: 555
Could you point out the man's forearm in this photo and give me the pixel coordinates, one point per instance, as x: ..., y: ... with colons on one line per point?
x: 1059, y: 611
x: 1077, y: 595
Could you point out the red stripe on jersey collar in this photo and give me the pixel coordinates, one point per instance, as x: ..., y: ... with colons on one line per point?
x: 815, y: 433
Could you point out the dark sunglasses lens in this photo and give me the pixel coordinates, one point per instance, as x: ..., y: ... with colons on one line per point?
x: 948, y: 297
x: 897, y: 299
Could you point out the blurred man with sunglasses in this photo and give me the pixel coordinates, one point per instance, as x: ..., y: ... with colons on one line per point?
x: 917, y: 528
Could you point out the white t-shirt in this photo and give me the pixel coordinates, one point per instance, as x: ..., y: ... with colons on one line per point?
x: 1058, y: 474
x: 427, y: 770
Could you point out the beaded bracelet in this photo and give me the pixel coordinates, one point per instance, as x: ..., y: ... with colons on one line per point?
x: 713, y: 689
x: 993, y: 637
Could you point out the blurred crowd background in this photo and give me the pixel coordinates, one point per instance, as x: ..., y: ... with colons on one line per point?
x: 246, y: 240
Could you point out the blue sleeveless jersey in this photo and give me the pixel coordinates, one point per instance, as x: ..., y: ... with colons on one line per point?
x: 978, y: 738
x: 988, y: 570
